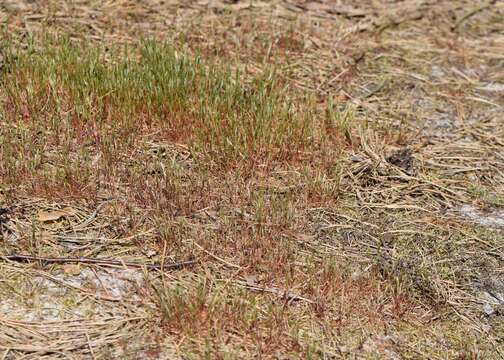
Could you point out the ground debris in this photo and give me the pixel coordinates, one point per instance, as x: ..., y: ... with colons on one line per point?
x: 336, y: 167
x: 489, y: 217
x: 403, y: 159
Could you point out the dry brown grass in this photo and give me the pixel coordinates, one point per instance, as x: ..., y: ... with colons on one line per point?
x: 314, y: 158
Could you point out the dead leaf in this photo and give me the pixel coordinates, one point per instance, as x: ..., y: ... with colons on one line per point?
x: 251, y: 279
x: 47, y: 236
x: 47, y: 216
x: 71, y: 269
x: 69, y: 211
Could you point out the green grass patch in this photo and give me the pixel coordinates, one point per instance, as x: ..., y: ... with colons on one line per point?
x: 76, y: 96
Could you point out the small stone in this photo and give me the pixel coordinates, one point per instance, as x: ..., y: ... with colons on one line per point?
x: 488, y: 309
x: 356, y: 275
x: 357, y: 158
x: 343, y: 349
x: 71, y: 269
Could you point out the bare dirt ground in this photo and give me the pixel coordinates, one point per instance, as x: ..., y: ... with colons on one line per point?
x: 339, y: 195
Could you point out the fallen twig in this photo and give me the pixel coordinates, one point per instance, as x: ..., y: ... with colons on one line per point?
x: 273, y: 290
x: 105, y: 262
x: 471, y: 13
x: 216, y: 257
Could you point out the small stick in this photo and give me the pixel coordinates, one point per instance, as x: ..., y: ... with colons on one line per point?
x: 273, y: 290
x: 471, y: 13
x: 106, y: 262
x: 90, y: 347
x: 216, y: 257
